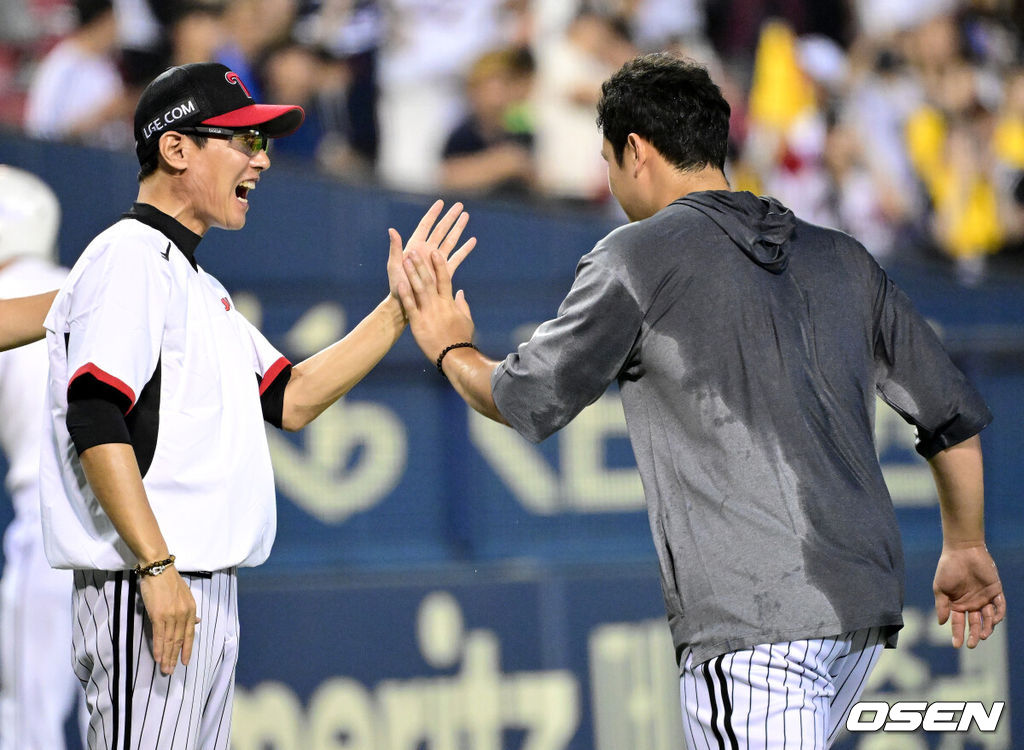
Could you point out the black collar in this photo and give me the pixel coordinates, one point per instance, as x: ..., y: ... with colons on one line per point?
x: 184, y: 238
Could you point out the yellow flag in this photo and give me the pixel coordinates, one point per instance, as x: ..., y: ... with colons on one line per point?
x: 780, y: 91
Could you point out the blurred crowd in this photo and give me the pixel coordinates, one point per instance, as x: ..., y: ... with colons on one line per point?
x: 900, y: 122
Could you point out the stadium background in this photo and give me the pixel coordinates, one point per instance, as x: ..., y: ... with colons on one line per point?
x: 438, y: 583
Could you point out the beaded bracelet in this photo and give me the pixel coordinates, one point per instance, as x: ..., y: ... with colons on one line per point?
x: 448, y: 348
x: 154, y: 568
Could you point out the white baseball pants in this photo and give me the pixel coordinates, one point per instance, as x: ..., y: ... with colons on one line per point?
x: 779, y: 696
x: 131, y: 703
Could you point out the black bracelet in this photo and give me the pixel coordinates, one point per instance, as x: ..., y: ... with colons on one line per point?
x: 448, y: 348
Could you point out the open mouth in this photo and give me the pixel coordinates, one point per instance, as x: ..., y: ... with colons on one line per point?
x: 243, y: 188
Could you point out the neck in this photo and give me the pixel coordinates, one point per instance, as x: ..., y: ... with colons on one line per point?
x: 653, y: 182
x: 678, y: 184
x: 160, y: 193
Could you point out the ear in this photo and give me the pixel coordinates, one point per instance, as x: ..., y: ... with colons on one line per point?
x: 174, y: 149
x: 637, y: 151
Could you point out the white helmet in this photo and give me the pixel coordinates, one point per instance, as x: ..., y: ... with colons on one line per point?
x: 29, y: 215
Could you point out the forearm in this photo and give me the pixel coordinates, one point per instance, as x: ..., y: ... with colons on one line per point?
x: 21, y: 319
x: 114, y: 477
x: 483, y: 169
x: 470, y: 374
x: 319, y: 381
x: 117, y: 108
x: 959, y: 480
x: 468, y: 173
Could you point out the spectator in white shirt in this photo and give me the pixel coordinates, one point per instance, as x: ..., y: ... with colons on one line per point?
x: 77, y: 92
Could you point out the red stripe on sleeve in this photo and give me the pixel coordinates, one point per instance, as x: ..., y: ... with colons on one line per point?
x: 272, y: 372
x: 90, y: 369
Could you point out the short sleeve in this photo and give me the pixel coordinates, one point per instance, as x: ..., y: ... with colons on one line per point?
x: 273, y: 371
x: 116, y: 318
x: 572, y: 359
x: 917, y: 378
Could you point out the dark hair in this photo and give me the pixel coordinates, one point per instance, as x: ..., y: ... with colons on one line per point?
x: 521, y: 61
x: 89, y: 10
x: 670, y: 102
x: 149, y: 166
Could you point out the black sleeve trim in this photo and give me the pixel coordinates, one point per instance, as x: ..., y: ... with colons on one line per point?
x: 955, y: 431
x: 272, y: 396
x: 95, y: 421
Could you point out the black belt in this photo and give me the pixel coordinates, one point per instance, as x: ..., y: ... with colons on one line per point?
x: 190, y: 573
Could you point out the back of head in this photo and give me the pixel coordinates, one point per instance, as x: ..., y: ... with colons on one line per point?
x: 29, y: 215
x: 670, y: 102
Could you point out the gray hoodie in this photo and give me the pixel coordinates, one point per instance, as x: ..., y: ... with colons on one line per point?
x: 749, y: 348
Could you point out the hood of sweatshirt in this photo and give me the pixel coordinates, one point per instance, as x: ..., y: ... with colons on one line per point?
x: 760, y: 227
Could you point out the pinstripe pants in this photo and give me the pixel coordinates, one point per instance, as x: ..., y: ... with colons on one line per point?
x: 131, y: 704
x: 777, y: 696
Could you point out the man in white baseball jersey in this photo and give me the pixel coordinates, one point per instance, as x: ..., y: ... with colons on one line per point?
x: 38, y: 690
x: 157, y: 481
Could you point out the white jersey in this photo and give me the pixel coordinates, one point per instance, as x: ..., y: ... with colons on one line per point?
x: 138, y: 315
x: 23, y: 387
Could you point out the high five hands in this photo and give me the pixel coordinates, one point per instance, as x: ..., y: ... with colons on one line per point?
x: 428, y: 238
x: 421, y: 278
x: 437, y: 318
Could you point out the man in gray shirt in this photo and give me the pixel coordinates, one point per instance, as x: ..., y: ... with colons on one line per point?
x: 749, y: 347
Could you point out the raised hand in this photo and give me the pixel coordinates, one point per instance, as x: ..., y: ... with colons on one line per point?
x: 430, y: 235
x: 436, y: 317
x: 968, y: 591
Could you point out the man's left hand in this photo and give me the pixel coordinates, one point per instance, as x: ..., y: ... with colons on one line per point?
x: 968, y: 591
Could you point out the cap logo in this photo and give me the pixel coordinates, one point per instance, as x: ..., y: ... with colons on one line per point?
x: 232, y: 77
x: 179, y: 111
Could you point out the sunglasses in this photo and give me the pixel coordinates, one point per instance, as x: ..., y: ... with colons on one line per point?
x: 249, y: 142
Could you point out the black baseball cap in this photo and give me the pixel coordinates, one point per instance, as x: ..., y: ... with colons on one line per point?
x: 206, y: 94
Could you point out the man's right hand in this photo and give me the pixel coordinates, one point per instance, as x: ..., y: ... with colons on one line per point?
x: 113, y: 474
x: 172, y: 613
x: 437, y: 317
x: 438, y: 320
x: 431, y: 235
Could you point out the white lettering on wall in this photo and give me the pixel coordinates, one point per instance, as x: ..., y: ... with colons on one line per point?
x: 634, y: 684
x: 583, y: 481
x: 468, y: 709
x: 353, y: 454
